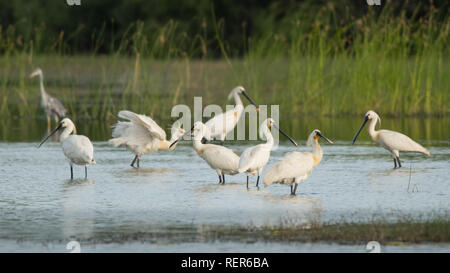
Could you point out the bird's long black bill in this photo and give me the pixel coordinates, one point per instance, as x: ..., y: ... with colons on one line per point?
x: 51, y: 133
x: 327, y: 139
x: 284, y: 134
x: 250, y: 100
x: 359, y: 131
x: 181, y: 137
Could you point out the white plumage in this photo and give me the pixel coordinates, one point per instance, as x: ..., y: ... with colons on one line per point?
x: 221, y: 124
x: 392, y: 141
x: 295, y: 167
x: 253, y: 159
x: 77, y: 148
x: 142, y: 135
x: 219, y: 158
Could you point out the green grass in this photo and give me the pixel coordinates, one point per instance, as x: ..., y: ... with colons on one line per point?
x: 100, y: 86
x: 395, y: 65
x: 401, y: 231
x: 404, y: 230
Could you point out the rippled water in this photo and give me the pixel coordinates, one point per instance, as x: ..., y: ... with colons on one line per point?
x: 222, y: 247
x: 174, y: 199
x: 175, y: 192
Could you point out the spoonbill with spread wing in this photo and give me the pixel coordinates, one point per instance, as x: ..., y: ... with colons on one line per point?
x: 142, y: 135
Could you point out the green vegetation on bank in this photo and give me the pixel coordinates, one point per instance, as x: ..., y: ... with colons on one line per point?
x: 402, y: 231
x: 326, y: 59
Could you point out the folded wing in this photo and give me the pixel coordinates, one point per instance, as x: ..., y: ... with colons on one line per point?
x: 293, y: 165
x: 221, y: 158
x: 398, y: 141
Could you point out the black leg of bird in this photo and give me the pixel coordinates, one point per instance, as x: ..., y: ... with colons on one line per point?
x: 220, y: 179
x: 132, y: 162
x: 71, y: 172
x: 85, y: 172
x: 291, y: 190
x: 399, y: 164
x: 295, y: 188
x: 395, y: 163
x: 223, y: 179
x: 257, y: 181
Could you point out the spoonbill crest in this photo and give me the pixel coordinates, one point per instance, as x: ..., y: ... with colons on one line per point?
x: 53, y: 108
x: 392, y: 141
x: 219, y: 158
x: 295, y: 167
x: 142, y: 135
x: 77, y: 148
x: 221, y: 124
x: 253, y: 159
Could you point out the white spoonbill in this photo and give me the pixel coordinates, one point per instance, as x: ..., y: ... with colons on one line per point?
x: 53, y: 108
x: 224, y: 123
x: 77, y: 148
x: 294, y: 167
x: 219, y: 158
x: 253, y: 159
x: 142, y: 135
x: 394, y: 142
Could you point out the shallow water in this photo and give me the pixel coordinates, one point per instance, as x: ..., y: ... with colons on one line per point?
x: 222, y: 247
x: 423, y: 130
x: 175, y: 196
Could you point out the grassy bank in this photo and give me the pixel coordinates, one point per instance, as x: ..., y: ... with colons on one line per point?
x: 398, y: 232
x: 344, y: 86
x: 401, y: 232
x: 330, y: 66
x: 378, y: 227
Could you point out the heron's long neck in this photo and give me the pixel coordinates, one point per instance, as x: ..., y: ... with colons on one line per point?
x: 41, y: 80
x: 317, y: 152
x: 67, y: 131
x: 372, y: 133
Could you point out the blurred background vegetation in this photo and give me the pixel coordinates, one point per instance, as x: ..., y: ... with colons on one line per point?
x: 312, y: 57
x: 192, y: 26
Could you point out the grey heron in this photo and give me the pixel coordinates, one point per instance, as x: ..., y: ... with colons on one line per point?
x: 53, y: 108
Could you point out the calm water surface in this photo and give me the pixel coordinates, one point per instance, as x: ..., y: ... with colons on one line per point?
x: 175, y: 195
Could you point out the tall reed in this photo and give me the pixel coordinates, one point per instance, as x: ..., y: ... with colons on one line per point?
x: 396, y: 65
